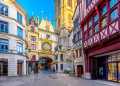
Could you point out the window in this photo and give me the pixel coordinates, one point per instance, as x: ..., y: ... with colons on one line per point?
x: 80, y: 35
x: 61, y: 67
x: 33, y: 57
x: 19, y: 48
x: 4, y: 45
x: 32, y: 28
x: 3, y: 27
x: 60, y: 48
x: 104, y: 22
x: 80, y: 52
x: 76, y: 23
x: 95, y: 18
x: 90, y: 32
x: 3, y: 10
x: 104, y: 10
x: 88, y: 2
x: 76, y: 37
x: 96, y: 28
x: 33, y: 38
x: 114, y: 14
x: 47, y: 36
x: 76, y: 53
x: 61, y: 57
x: 69, y: 3
x: 56, y: 49
x: 56, y: 57
x: 19, y: 32
x: 33, y: 47
x: 112, y: 3
x: 56, y: 66
x: 19, y: 18
x: 32, y: 22
x: 90, y: 23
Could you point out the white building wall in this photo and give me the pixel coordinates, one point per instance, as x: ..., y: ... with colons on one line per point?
x: 13, y: 39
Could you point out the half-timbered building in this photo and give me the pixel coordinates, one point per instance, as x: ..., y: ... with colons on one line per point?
x: 100, y: 23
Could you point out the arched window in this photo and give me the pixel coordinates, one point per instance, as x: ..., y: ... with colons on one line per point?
x: 61, y: 67
x: 70, y: 3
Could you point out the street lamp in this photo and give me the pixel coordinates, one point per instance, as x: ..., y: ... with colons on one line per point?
x: 29, y: 50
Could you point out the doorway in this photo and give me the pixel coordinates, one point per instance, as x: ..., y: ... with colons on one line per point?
x: 45, y: 63
x: 19, y: 68
x: 79, y: 70
x: 98, y: 68
x: 1, y: 68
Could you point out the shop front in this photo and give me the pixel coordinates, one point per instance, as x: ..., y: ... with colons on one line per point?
x: 106, y: 66
x: 33, y: 67
x: 3, y: 66
x: 19, y: 66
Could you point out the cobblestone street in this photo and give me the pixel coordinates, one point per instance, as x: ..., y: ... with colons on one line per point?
x: 48, y: 79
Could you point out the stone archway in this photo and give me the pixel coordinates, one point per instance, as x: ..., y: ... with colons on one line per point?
x: 46, y: 61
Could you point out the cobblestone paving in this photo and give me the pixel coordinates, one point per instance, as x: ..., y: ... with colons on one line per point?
x: 47, y: 79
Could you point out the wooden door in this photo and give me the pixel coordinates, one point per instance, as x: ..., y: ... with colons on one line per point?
x: 80, y: 70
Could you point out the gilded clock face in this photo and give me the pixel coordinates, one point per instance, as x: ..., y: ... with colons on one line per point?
x: 46, y: 46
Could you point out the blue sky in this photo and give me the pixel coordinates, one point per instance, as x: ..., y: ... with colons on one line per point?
x: 36, y: 6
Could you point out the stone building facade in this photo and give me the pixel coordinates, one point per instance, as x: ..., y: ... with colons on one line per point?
x: 42, y: 40
x: 64, y: 10
x: 78, y: 46
x: 13, y: 38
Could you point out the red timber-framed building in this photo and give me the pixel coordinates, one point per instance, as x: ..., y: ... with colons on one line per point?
x: 100, y: 24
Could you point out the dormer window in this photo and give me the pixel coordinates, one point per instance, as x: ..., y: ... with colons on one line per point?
x: 32, y: 22
x: 32, y: 28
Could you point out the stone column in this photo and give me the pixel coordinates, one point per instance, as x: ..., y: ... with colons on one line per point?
x: 24, y: 68
x: 12, y: 66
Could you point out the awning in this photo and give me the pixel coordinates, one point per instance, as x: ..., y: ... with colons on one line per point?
x: 20, y: 61
x: 33, y: 61
x: 3, y: 59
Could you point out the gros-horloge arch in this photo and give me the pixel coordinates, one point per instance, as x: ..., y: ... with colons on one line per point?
x: 46, y: 61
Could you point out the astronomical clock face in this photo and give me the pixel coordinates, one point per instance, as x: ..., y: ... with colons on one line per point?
x: 46, y: 46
